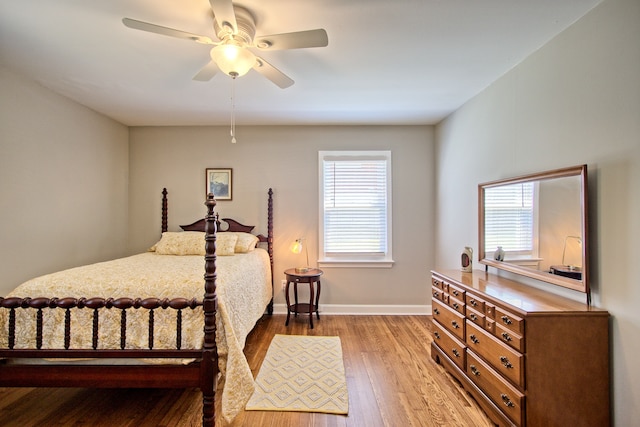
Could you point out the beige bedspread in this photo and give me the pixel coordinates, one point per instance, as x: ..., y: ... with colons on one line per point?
x: 244, y: 290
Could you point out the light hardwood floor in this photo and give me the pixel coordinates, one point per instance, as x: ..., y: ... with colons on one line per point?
x: 391, y: 378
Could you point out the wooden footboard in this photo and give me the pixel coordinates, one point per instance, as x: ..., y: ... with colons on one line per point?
x: 95, y: 304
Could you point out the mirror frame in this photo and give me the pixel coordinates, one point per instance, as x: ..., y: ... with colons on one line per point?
x: 581, y: 285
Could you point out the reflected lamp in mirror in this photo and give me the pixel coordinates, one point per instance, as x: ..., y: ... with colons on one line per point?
x: 571, y: 259
x: 296, y: 248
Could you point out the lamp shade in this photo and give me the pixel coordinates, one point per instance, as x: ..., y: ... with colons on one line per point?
x: 233, y: 59
x: 296, y: 247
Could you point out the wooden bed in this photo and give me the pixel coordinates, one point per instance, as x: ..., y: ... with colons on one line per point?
x: 201, y: 372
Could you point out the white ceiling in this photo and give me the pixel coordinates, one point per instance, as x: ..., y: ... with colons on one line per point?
x: 388, y: 61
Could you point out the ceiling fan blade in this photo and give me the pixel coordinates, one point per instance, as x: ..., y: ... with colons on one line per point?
x: 165, y: 31
x: 224, y: 14
x: 272, y: 73
x: 297, y: 40
x: 207, y: 72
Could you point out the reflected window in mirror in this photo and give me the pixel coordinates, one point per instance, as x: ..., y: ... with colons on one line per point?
x: 511, y: 221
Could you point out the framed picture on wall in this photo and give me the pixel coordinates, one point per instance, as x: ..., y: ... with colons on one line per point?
x: 220, y: 183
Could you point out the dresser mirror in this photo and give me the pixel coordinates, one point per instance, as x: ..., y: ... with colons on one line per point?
x: 536, y: 226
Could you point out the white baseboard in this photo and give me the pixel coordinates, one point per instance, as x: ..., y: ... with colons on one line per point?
x: 379, y: 310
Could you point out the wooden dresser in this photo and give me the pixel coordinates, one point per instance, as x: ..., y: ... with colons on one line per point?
x: 528, y: 357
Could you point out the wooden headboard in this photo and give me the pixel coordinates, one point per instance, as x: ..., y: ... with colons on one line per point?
x: 231, y: 225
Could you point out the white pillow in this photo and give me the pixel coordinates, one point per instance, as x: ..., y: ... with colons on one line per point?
x: 180, y: 243
x: 225, y: 244
x: 246, y: 242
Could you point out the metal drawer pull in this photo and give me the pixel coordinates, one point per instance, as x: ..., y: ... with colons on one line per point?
x: 474, y: 339
x: 437, y: 335
x: 436, y: 294
x: 507, y: 401
x: 455, y: 293
x: 473, y: 317
x: 475, y: 371
x: 473, y: 302
x: 506, y: 320
x: 505, y: 362
x: 436, y: 311
x: 506, y: 336
x: 455, y: 352
x: 455, y: 305
x: 455, y: 324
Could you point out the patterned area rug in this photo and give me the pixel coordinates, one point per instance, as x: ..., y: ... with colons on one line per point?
x: 302, y: 373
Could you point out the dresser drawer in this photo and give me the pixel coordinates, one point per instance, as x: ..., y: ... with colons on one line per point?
x: 501, y: 357
x: 474, y: 302
x: 509, y: 337
x: 509, y: 321
x: 456, y: 304
x: 440, y: 284
x: 475, y: 316
x: 436, y: 283
x: 451, y: 320
x: 503, y: 394
x: 456, y: 292
x: 437, y: 293
x: 449, y: 345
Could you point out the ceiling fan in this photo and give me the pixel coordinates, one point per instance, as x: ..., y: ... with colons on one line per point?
x: 235, y: 29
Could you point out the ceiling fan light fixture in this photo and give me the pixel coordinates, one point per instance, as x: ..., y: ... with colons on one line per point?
x: 233, y: 59
x: 235, y: 28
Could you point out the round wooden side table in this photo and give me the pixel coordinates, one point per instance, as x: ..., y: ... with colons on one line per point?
x: 311, y: 276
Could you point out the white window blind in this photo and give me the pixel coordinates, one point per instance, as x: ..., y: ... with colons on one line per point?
x: 509, y: 217
x: 355, y: 205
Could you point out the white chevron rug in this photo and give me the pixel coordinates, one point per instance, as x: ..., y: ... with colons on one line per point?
x: 302, y: 373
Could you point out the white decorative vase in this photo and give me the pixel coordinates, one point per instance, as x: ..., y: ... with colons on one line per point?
x: 467, y: 259
x: 498, y: 255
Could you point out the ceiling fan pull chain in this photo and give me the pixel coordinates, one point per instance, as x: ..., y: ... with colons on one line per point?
x: 233, y: 111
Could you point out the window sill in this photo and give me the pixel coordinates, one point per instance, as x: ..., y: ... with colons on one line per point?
x: 359, y: 263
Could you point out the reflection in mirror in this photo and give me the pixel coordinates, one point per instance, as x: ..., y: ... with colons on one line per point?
x: 536, y: 226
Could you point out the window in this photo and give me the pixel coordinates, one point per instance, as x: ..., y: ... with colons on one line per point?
x: 355, y: 208
x: 511, y: 219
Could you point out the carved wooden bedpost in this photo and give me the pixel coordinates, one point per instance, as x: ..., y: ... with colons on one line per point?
x: 165, y: 211
x: 270, y: 244
x: 210, y: 307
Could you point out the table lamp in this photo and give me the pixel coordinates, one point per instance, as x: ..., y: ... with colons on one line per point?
x: 296, y: 248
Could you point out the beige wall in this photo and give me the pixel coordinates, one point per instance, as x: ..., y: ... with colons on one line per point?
x: 286, y: 159
x: 576, y: 100
x: 63, y: 183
